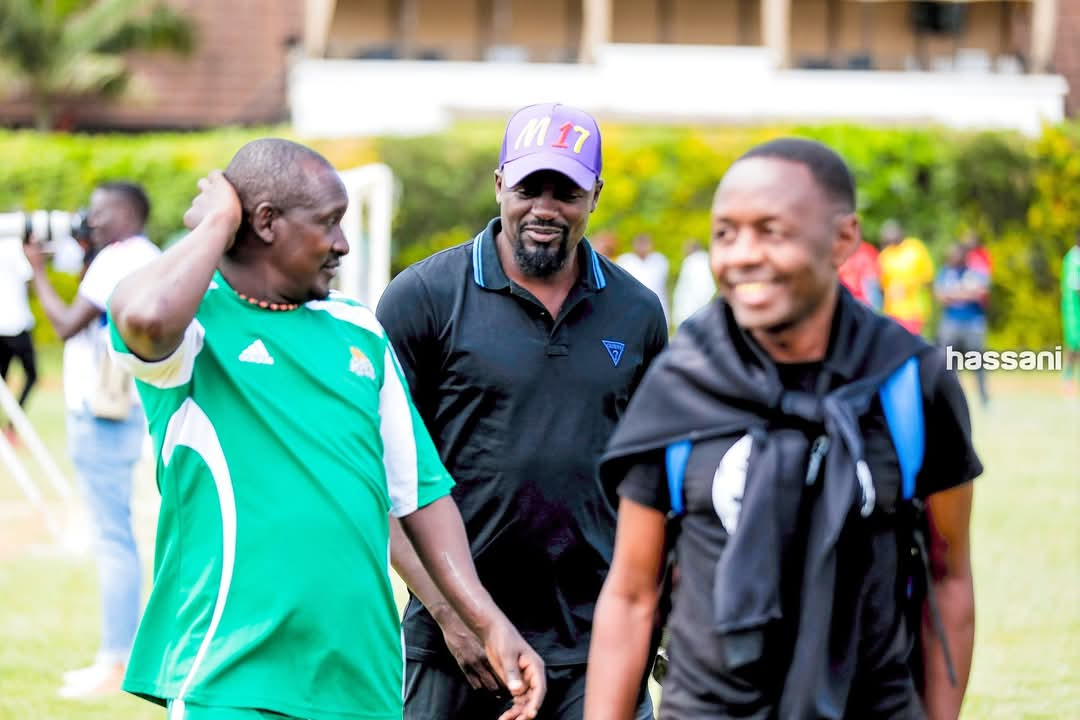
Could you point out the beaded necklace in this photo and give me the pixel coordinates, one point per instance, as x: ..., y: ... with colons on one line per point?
x: 266, y: 305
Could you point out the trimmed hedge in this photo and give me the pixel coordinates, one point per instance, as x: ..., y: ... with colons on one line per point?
x: 58, y: 172
x: 1022, y: 194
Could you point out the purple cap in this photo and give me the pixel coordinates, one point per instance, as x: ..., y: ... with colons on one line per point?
x: 551, y: 137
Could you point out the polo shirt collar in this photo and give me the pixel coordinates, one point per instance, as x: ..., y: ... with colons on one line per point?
x: 488, y: 272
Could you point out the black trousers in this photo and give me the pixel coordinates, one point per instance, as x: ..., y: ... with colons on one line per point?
x: 437, y: 690
x: 19, y: 347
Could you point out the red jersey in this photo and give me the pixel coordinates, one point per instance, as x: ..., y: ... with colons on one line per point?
x: 978, y: 259
x: 861, y: 275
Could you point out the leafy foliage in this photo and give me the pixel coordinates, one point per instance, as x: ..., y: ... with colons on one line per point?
x: 1022, y: 195
x: 58, y: 172
x: 1026, y: 292
x: 447, y: 194
x: 54, y: 49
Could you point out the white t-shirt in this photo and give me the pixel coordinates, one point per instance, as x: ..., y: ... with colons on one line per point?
x: 15, y: 272
x: 652, y: 272
x: 695, y: 286
x: 83, y: 351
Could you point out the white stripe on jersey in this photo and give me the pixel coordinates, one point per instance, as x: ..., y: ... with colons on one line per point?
x: 172, y: 371
x: 358, y: 315
x: 176, y: 710
x: 398, y: 439
x: 189, y: 426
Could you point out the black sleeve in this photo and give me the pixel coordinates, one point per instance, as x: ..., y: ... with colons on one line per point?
x: 656, y: 341
x: 407, y: 315
x: 645, y: 482
x: 658, y: 336
x: 950, y: 458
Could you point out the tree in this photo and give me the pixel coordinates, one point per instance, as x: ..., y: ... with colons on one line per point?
x: 56, y: 49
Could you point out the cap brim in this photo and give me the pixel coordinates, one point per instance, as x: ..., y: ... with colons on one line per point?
x: 517, y: 170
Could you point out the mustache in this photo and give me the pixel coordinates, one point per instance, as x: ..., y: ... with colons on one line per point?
x: 547, y: 224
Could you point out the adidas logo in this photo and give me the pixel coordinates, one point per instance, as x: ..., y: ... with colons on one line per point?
x: 359, y: 365
x: 256, y: 353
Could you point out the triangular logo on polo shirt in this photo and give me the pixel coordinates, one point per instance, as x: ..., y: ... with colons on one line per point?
x: 615, y: 350
x: 256, y: 353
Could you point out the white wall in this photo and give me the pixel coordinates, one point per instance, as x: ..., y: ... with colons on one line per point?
x: 703, y: 84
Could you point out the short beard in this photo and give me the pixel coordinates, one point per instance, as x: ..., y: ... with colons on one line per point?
x: 541, y: 262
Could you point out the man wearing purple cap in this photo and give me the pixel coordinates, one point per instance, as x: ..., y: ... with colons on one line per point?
x: 522, y: 348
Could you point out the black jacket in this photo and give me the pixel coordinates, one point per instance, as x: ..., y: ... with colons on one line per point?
x: 716, y: 381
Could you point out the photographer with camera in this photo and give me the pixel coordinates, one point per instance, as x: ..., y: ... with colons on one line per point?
x: 105, y: 423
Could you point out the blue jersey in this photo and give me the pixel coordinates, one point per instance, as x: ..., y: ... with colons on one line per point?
x: 963, y: 311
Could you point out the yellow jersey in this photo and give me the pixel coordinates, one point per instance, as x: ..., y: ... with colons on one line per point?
x: 906, y: 274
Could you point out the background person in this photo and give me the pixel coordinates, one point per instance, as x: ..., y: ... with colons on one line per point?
x: 16, y: 320
x: 695, y: 286
x: 105, y: 422
x: 649, y: 267
x: 861, y: 275
x: 906, y: 275
x: 1070, y: 315
x: 605, y: 243
x: 962, y: 290
x: 976, y: 255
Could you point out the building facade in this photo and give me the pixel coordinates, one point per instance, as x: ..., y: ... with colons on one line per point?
x: 813, y: 34
x: 363, y: 66
x: 970, y: 64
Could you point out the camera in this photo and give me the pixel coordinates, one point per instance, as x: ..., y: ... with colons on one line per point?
x: 45, y: 226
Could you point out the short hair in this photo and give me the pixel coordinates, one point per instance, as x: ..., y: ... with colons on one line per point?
x: 273, y: 170
x: 826, y: 166
x: 133, y: 195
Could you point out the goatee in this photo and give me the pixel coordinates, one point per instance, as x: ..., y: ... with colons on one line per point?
x: 541, y: 261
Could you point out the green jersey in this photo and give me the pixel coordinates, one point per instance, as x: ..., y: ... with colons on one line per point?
x: 284, y: 441
x: 1070, y: 298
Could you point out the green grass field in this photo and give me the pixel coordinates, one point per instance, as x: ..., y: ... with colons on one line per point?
x: 1026, y: 544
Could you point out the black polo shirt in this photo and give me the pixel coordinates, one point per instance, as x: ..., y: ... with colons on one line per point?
x: 698, y: 686
x: 520, y: 406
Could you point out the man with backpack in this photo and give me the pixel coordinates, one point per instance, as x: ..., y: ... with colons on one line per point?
x: 808, y: 465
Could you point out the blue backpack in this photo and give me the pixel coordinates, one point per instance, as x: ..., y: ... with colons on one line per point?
x: 901, y: 399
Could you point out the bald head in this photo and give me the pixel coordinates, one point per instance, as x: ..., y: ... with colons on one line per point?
x: 275, y: 171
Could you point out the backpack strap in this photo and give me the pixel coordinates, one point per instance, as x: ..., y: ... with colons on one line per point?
x: 901, y: 399
x: 675, y: 457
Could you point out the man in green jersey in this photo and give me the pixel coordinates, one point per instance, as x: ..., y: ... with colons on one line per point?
x: 285, y: 438
x: 1070, y: 314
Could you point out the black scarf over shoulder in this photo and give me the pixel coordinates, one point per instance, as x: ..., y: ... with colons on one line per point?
x: 714, y: 380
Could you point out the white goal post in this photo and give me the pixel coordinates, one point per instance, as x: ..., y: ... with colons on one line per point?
x: 365, y: 271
